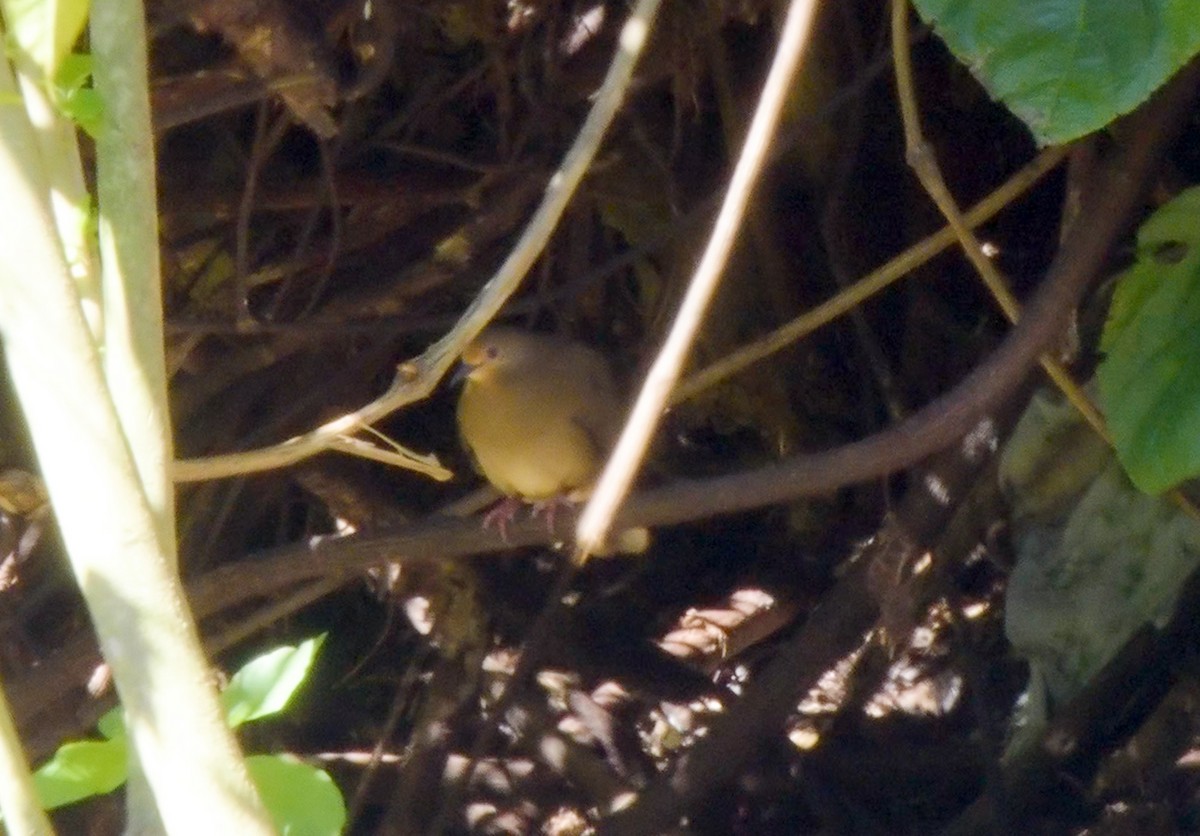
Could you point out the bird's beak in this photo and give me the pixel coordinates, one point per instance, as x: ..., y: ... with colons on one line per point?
x: 461, y: 373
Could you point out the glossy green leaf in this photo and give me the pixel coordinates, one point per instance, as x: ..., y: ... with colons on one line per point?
x: 80, y: 770
x: 44, y: 30
x: 1150, y: 377
x: 302, y: 800
x: 74, y: 95
x: 74, y: 71
x: 1068, y: 67
x: 112, y: 724
x: 85, y: 108
x: 265, y: 684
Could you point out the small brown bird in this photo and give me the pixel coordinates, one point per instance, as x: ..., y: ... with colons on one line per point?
x: 538, y: 412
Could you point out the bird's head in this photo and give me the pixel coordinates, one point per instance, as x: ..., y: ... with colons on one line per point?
x: 492, y: 352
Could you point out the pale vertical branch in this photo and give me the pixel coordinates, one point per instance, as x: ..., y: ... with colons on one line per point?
x: 131, y: 291
x: 131, y: 288
x: 618, y: 474
x: 134, y: 597
x: 70, y: 201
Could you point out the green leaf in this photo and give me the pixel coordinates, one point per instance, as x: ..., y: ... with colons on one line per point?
x: 80, y: 770
x: 75, y: 97
x: 85, y: 108
x: 1068, y: 67
x: 1150, y: 377
x: 302, y: 800
x: 265, y: 685
x: 44, y: 30
x: 74, y: 71
x: 112, y: 724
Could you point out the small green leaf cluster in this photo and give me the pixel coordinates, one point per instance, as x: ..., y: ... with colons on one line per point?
x: 41, y: 37
x: 302, y: 799
x: 74, y: 95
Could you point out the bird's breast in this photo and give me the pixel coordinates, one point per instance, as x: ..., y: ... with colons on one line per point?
x: 530, y: 443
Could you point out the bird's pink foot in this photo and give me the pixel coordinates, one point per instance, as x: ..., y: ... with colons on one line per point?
x: 501, y: 514
x: 549, y: 508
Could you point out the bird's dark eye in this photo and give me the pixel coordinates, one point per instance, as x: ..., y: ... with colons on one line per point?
x: 491, y: 352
